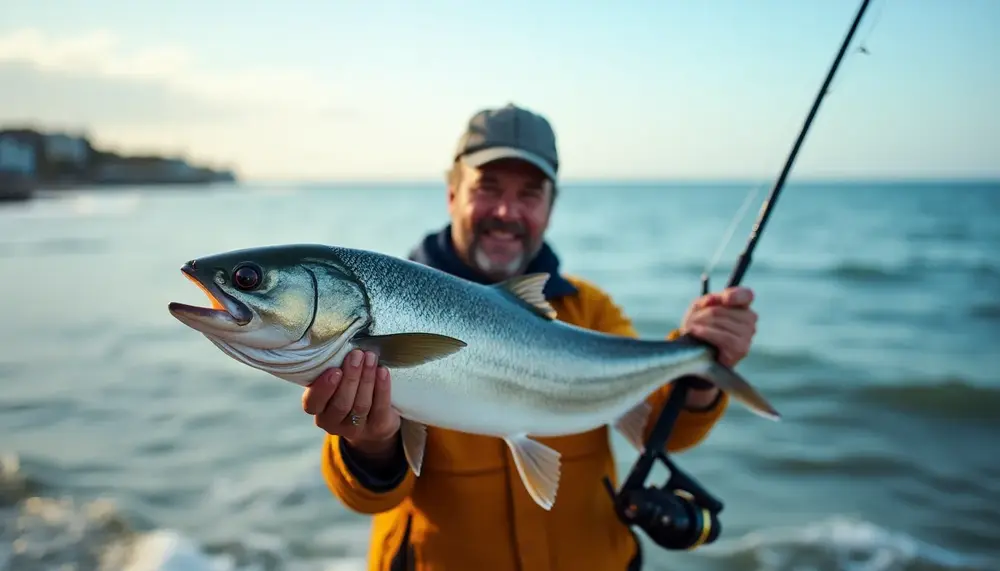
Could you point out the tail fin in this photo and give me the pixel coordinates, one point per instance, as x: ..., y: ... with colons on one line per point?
x: 737, y: 387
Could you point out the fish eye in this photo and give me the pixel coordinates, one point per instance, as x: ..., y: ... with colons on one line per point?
x: 246, y: 276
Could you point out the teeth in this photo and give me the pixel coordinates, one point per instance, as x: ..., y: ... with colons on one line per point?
x: 501, y: 235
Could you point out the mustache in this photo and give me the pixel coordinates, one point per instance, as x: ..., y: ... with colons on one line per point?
x: 491, y: 224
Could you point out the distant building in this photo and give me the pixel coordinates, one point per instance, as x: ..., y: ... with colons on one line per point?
x: 17, y: 168
x: 29, y: 158
x: 150, y: 170
x: 66, y: 150
x: 58, y: 158
x: 17, y: 156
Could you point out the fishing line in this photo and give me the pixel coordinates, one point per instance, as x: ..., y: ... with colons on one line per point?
x: 752, y: 193
x: 727, y: 236
x: 863, y: 42
x: 862, y: 48
x: 680, y: 513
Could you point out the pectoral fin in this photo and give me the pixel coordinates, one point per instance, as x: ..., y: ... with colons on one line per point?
x: 632, y: 424
x: 409, y: 349
x: 738, y: 388
x: 414, y: 436
x: 538, y: 466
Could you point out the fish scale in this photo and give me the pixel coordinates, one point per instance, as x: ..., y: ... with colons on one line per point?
x: 482, y: 359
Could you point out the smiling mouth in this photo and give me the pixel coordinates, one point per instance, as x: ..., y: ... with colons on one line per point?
x: 223, y: 305
x: 503, y: 236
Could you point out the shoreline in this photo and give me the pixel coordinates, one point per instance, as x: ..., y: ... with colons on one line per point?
x: 33, y: 160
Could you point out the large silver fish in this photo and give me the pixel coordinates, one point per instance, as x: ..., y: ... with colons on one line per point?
x: 482, y: 359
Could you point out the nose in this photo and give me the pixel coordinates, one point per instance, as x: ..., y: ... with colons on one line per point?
x: 504, y: 210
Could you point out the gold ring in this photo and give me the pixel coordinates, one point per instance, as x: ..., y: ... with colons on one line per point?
x: 355, y: 419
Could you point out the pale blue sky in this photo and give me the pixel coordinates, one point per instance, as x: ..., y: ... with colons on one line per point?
x: 640, y: 89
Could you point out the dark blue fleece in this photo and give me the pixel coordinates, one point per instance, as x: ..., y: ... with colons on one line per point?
x: 436, y: 250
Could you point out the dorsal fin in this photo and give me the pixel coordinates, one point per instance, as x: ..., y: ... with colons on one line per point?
x: 529, y: 289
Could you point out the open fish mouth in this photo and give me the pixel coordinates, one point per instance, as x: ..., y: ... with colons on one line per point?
x: 225, y: 309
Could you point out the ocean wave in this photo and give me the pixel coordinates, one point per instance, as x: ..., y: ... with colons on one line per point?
x: 986, y: 311
x: 53, y: 246
x: 42, y: 529
x: 786, y: 360
x: 849, y: 463
x: 102, y: 203
x: 942, y: 232
x: 870, y: 272
x: 38, y: 532
x: 852, y: 271
x: 901, y: 271
x: 837, y: 544
x: 53, y: 532
x: 947, y: 398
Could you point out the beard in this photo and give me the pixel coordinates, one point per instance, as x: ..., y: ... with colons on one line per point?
x: 499, y: 266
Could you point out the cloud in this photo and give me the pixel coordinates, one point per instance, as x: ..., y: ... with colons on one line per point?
x: 78, y: 98
x: 90, y: 79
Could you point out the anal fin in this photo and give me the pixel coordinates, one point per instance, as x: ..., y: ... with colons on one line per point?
x: 538, y: 466
x: 414, y: 435
x: 632, y: 424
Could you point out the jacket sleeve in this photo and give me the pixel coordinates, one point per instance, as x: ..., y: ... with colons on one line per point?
x: 358, y: 486
x: 692, y: 425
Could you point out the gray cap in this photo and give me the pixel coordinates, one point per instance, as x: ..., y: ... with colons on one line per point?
x: 510, y: 132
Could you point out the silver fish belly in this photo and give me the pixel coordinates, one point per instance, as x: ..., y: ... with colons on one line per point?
x: 520, y: 374
x: 482, y: 359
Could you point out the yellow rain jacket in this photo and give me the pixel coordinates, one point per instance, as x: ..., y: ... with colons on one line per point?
x: 469, y: 511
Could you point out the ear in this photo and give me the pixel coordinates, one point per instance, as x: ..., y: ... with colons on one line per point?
x: 452, y: 191
x: 453, y: 179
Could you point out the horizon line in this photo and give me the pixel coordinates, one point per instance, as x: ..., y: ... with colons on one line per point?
x: 637, y: 181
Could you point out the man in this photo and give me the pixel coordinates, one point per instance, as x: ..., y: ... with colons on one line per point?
x: 468, y: 510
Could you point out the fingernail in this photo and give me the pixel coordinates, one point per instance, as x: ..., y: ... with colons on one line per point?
x: 382, y: 373
x: 370, y: 359
x: 337, y: 374
x: 356, y: 358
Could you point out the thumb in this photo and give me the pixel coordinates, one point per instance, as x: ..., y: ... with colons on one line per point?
x: 707, y: 300
x: 737, y: 297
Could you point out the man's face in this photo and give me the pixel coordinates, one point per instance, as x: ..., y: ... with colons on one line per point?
x: 499, y: 214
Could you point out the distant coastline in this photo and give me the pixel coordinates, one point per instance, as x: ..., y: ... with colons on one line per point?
x: 32, y: 160
x: 664, y: 183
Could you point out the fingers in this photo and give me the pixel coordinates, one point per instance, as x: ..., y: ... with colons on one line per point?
x: 737, y: 297
x: 366, y: 386
x: 380, y: 418
x: 360, y: 387
x: 739, y: 322
x: 731, y: 348
x: 736, y: 321
x: 707, y: 300
x: 342, y: 403
x: 729, y: 328
x: 317, y: 395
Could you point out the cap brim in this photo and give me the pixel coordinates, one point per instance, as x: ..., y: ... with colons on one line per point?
x: 480, y: 158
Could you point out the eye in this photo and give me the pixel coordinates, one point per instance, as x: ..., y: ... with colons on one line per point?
x: 246, y: 277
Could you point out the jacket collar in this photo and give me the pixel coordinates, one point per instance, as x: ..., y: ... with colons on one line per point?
x: 436, y: 250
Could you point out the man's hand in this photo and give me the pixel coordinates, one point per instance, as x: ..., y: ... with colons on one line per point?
x: 724, y: 320
x: 354, y: 402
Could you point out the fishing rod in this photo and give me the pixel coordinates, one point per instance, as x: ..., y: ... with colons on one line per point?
x: 681, y: 514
